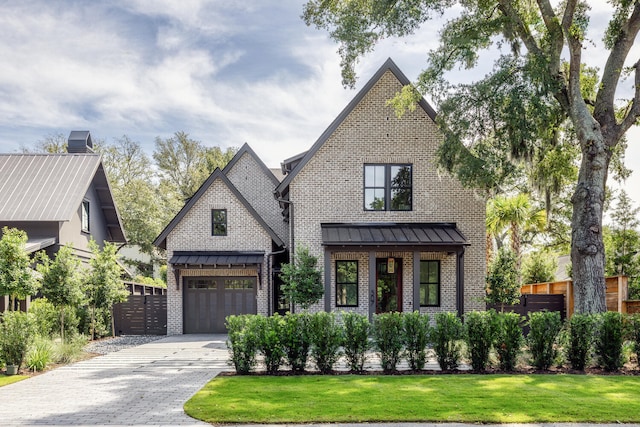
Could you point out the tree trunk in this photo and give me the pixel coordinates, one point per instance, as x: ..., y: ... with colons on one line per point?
x: 489, y: 251
x: 587, y: 247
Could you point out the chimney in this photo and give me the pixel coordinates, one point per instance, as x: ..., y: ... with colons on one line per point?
x: 80, y: 142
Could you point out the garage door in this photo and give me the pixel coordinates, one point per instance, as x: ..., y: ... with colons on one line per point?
x: 209, y: 300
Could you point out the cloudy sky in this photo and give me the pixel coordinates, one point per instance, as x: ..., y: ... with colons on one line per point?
x: 225, y: 72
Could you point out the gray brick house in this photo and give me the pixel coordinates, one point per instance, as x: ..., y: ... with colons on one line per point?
x: 391, y: 232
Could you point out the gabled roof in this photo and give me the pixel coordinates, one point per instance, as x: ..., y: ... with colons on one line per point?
x: 161, y: 240
x: 246, y: 149
x: 50, y: 188
x: 389, y: 65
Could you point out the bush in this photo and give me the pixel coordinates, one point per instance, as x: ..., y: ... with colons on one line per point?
x: 446, y: 336
x: 580, y: 339
x: 609, y: 340
x: 509, y: 339
x: 544, y: 329
x: 480, y: 331
x: 40, y: 354
x: 387, y: 336
x: 634, y: 334
x: 270, y: 331
x: 415, y: 334
x: 296, y: 340
x: 356, y: 340
x: 102, y: 318
x: 326, y: 339
x: 16, y: 332
x: 242, y: 341
x: 46, y: 318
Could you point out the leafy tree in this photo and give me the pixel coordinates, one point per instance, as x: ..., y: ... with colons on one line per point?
x: 61, y: 281
x: 16, y: 276
x: 52, y: 143
x: 503, y: 285
x: 534, y: 89
x: 302, y: 281
x: 539, y: 267
x: 104, y: 286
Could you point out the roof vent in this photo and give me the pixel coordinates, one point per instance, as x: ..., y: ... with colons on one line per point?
x: 80, y: 142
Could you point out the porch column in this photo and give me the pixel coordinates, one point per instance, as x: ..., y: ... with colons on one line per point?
x: 460, y: 281
x: 416, y: 280
x: 372, y: 284
x: 327, y: 280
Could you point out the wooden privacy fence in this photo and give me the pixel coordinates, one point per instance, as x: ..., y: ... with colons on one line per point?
x: 144, y: 312
x: 616, y: 294
x: 533, y: 303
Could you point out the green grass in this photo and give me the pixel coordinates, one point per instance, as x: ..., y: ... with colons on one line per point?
x: 5, y: 379
x: 432, y: 398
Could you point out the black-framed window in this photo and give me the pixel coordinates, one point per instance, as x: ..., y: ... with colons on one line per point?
x: 388, y: 187
x: 346, y: 283
x: 430, y: 283
x: 218, y: 222
x: 84, y: 216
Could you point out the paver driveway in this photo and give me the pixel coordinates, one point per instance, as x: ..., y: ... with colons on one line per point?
x: 143, y: 385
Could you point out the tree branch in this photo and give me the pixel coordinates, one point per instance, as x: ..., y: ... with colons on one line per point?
x: 555, y: 35
x: 634, y: 112
x: 506, y: 6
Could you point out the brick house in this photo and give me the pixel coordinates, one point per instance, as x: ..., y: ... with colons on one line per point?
x: 390, y: 232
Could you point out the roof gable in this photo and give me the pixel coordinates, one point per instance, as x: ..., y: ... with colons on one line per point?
x: 161, y: 240
x: 245, y: 149
x: 389, y: 65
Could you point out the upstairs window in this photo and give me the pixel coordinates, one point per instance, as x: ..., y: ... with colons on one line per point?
x: 218, y: 222
x: 84, y: 216
x: 387, y: 187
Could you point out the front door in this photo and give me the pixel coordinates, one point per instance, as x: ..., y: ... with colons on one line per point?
x: 388, y: 285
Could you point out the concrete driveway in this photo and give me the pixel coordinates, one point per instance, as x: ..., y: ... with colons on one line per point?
x: 144, y: 385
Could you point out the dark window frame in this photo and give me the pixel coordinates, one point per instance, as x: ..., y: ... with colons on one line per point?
x: 214, y: 222
x: 85, y: 207
x: 388, y: 187
x: 338, y: 284
x: 438, y: 283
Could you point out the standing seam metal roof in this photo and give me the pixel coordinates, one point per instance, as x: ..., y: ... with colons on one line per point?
x: 392, y: 234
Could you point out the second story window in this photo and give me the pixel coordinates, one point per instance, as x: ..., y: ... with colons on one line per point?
x: 84, y: 216
x: 387, y: 187
x: 218, y: 222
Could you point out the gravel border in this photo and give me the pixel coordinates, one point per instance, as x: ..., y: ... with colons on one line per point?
x: 110, y: 345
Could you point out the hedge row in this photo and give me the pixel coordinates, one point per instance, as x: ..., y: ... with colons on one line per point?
x: 322, y: 338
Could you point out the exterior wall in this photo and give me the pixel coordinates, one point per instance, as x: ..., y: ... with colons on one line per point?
x: 193, y: 233
x: 330, y: 186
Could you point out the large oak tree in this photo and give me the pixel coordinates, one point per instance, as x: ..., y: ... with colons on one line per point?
x: 537, y: 86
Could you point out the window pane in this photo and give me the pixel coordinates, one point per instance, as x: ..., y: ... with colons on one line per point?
x: 347, y: 283
x: 401, y: 199
x: 219, y: 229
x: 400, y: 176
x: 219, y: 215
x: 430, y: 283
x: 433, y: 294
x: 347, y: 271
x: 374, y: 199
x: 433, y: 272
x: 374, y: 176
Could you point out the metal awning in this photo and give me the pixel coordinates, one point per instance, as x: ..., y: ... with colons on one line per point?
x: 216, y: 258
x: 393, y: 234
x: 34, y: 245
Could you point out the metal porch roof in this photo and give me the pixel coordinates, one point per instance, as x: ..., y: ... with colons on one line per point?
x: 393, y: 234
x: 216, y: 258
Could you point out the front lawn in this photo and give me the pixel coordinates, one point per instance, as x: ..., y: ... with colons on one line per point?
x: 9, y: 379
x: 432, y: 398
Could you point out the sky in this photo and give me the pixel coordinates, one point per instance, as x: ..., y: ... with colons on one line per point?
x: 225, y: 72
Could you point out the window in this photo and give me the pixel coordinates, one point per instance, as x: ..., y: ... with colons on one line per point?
x: 219, y: 222
x: 347, y: 283
x: 429, y: 283
x: 387, y: 187
x: 84, y: 216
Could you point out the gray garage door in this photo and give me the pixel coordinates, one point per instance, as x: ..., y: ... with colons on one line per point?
x: 208, y: 300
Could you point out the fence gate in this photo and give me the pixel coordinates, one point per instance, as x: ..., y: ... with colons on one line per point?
x: 141, y: 315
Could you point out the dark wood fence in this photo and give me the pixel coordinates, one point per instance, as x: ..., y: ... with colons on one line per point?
x: 144, y: 312
x: 534, y: 303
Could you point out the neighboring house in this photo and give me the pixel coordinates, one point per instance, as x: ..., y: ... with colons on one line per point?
x: 391, y: 233
x: 59, y: 199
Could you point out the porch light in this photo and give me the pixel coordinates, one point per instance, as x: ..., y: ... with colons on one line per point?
x: 391, y: 265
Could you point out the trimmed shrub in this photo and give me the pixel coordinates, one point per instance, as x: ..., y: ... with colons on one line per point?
x: 508, y: 340
x: 446, y: 336
x: 40, y: 354
x: 296, y: 340
x: 579, y: 341
x: 356, y: 340
x: 609, y: 340
x: 480, y: 331
x: 544, y: 327
x: 634, y: 334
x: 415, y: 336
x: 270, y: 332
x: 387, y: 336
x: 16, y: 332
x: 326, y: 339
x: 242, y: 341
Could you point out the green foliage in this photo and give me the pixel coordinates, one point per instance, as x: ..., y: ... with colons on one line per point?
x: 243, y: 341
x: 270, y: 332
x: 446, y: 336
x: 544, y: 327
x: 580, y: 339
x: 508, y: 340
x: 326, y: 339
x: 388, y: 339
x: 302, y: 281
x: 415, y: 336
x: 480, y: 331
x: 16, y: 276
x: 634, y: 333
x: 160, y: 283
x: 609, y: 340
x: 296, y: 340
x: 70, y: 350
x: 503, y: 286
x: 539, y: 267
x: 16, y: 333
x: 40, y: 354
x: 46, y: 318
x: 93, y: 323
x: 356, y: 339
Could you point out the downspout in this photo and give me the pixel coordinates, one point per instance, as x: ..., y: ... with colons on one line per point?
x: 270, y: 283
x: 291, y: 238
